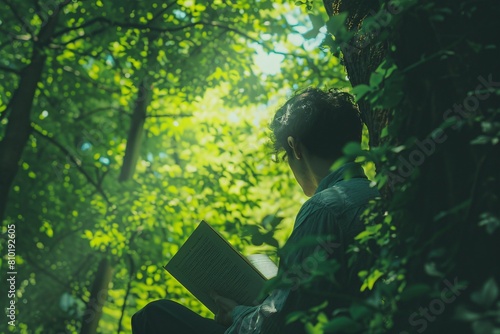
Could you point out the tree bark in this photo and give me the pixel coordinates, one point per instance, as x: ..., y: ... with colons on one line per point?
x: 18, y: 127
x: 452, y: 183
x: 361, y: 58
x: 98, y: 296
x: 136, y: 132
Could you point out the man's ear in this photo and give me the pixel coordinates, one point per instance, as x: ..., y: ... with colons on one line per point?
x: 295, y: 146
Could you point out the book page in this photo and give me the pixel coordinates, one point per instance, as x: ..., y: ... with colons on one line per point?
x: 207, y: 263
x: 264, y: 264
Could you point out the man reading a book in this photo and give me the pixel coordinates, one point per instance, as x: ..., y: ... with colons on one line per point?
x: 309, y: 131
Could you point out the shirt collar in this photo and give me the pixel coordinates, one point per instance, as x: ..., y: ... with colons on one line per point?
x: 348, y: 170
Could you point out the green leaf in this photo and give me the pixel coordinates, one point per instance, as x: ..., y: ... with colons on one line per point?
x: 353, y: 149
x: 361, y: 90
x: 269, y: 240
x: 462, y: 313
x: 375, y: 80
x: 371, y: 279
x: 336, y: 23
x: 385, y: 132
x: 490, y: 221
x: 295, y: 316
x: 336, y: 26
x: 481, y: 140
x: 487, y: 295
x: 432, y: 270
x: 271, y: 221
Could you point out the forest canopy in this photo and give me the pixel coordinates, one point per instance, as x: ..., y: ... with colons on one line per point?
x: 125, y: 123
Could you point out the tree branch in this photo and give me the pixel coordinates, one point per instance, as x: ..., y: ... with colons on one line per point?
x: 129, y: 25
x: 76, y: 162
x: 66, y: 285
x: 90, y: 113
x: 3, y: 45
x: 83, y: 25
x: 63, y: 4
x: 163, y: 10
x: 108, y: 21
x: 60, y: 237
x: 91, y: 34
x: 169, y: 115
x: 36, y: 4
x: 84, y: 53
x: 93, y: 82
x: 130, y: 280
x: 18, y: 17
x: 10, y: 70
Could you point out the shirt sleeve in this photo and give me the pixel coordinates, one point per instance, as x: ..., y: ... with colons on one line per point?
x: 252, y: 319
x: 249, y: 319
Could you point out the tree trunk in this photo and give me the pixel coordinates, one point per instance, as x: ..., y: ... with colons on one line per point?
x: 445, y: 211
x: 98, y: 296
x: 18, y: 127
x: 136, y: 132
x: 361, y: 58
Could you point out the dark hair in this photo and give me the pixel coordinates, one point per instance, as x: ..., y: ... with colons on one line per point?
x: 323, y: 121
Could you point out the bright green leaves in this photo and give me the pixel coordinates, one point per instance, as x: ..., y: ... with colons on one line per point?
x: 308, y: 4
x: 369, y: 231
x: 199, y: 159
x: 47, y: 229
x: 369, y: 279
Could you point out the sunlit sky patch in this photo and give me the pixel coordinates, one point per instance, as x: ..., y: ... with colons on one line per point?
x: 104, y: 160
x: 270, y: 63
x: 86, y: 146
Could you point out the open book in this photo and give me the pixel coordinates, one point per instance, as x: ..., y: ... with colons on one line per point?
x: 208, y: 263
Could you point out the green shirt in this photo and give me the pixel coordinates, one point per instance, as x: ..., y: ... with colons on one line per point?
x: 324, y: 227
x: 332, y: 213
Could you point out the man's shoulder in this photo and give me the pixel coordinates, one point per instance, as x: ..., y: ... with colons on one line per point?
x: 344, y: 190
x: 335, y: 201
x: 342, y: 195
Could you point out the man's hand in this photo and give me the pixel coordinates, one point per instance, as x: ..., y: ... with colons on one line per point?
x: 225, y: 308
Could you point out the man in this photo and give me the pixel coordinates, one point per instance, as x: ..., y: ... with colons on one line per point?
x: 309, y: 131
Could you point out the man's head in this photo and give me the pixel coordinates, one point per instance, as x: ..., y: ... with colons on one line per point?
x: 311, y: 129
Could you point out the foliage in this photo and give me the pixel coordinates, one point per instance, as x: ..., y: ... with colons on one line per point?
x: 425, y: 76
x: 192, y: 68
x: 78, y: 76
